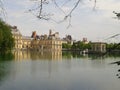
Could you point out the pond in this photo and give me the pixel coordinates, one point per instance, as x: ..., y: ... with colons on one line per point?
x: 25, y: 70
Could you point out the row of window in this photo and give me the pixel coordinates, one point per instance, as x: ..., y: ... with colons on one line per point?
x: 50, y: 42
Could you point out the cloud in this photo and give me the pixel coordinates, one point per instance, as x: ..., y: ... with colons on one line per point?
x: 85, y: 22
x: 108, y: 5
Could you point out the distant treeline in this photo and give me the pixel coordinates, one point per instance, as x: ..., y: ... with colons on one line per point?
x: 82, y: 46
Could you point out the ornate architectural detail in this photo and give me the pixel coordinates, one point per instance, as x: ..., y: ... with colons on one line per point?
x: 45, y: 42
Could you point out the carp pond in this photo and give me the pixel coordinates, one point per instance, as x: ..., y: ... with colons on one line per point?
x: 25, y: 70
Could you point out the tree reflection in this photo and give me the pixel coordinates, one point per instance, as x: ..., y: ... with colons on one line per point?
x: 8, y: 56
x: 73, y: 54
x: 3, y: 71
x: 4, y: 67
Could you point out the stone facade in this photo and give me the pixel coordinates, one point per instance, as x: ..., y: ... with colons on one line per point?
x: 26, y: 42
x: 45, y: 42
x: 49, y: 42
x: 99, y: 47
x: 51, y: 45
x: 17, y: 37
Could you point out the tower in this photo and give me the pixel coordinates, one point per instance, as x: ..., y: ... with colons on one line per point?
x: 50, y: 32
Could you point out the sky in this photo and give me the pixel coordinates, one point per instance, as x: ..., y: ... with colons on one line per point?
x: 95, y: 25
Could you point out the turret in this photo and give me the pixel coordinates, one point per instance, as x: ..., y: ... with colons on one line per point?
x: 50, y: 32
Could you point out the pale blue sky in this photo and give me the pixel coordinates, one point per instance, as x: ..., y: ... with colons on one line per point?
x: 95, y: 25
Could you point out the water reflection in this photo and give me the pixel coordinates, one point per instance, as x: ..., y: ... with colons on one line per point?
x: 5, y: 68
x: 35, y: 55
x: 4, y: 71
x: 6, y: 56
x: 55, y: 55
x: 58, y: 71
x: 71, y: 55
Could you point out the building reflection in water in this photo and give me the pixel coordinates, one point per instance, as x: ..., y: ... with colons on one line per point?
x: 35, y: 55
x: 45, y: 62
x: 48, y: 63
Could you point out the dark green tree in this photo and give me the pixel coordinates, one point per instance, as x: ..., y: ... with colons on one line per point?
x: 81, y: 45
x: 6, y: 39
x: 66, y: 46
x: 74, y: 46
x: 113, y: 46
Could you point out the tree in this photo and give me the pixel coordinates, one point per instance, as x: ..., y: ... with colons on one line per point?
x: 66, y: 46
x: 113, y: 46
x: 81, y: 45
x: 6, y: 39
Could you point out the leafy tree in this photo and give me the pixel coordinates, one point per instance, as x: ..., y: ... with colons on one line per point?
x: 67, y: 46
x: 6, y: 39
x: 81, y: 45
x: 74, y: 46
x: 113, y: 46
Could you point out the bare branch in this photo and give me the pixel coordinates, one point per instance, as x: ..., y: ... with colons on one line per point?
x: 40, y: 12
x: 58, y: 6
x: 2, y: 11
x: 41, y: 6
x: 74, y: 7
x: 69, y: 25
x: 66, y: 2
x: 94, y: 4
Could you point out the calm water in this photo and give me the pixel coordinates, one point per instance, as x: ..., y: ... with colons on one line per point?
x: 58, y: 71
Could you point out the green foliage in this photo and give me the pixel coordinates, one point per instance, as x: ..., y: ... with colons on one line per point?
x: 4, y: 67
x: 81, y: 45
x: 67, y: 46
x: 77, y: 45
x: 6, y: 40
x: 7, y: 56
x: 113, y: 46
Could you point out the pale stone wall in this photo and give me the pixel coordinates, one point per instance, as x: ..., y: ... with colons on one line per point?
x: 99, y: 47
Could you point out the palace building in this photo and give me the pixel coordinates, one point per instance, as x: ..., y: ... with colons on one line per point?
x: 17, y: 36
x: 50, y: 42
x: 98, y: 47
